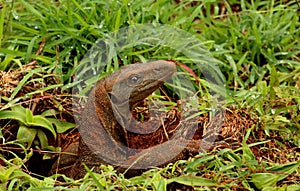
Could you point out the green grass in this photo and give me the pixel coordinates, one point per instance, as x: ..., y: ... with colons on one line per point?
x: 257, y: 50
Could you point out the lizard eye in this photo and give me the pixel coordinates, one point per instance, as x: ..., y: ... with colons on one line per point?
x: 134, y: 79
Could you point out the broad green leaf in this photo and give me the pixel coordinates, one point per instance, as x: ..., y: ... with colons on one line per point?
x: 40, y: 121
x: 262, y: 87
x: 137, y: 180
x: 285, y: 169
x: 293, y: 188
x: 26, y: 135
x: 191, y: 180
x: 50, y: 112
x: 261, y: 180
x: 283, y: 119
x: 198, y: 162
x: 21, y: 117
x: 61, y: 126
x: 19, y: 108
x: 247, y: 152
x: 19, y: 174
x: 29, y: 116
x: 6, y: 173
x: 160, y: 184
x: 3, y: 185
x: 42, y: 138
x: 227, y: 167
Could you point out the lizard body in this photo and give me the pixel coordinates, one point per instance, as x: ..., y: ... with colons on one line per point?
x: 105, y: 121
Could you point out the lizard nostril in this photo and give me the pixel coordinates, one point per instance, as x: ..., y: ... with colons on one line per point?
x: 156, y: 70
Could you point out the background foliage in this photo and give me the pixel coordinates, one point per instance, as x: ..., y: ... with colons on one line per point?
x: 257, y: 42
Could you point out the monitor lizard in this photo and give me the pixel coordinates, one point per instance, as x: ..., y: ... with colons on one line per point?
x: 106, y: 119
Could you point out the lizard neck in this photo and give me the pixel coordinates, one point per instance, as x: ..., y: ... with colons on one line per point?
x: 104, y: 110
x: 116, y: 93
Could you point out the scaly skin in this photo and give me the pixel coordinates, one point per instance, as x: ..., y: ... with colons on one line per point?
x: 106, y: 118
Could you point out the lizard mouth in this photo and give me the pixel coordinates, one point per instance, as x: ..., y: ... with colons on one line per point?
x: 138, y: 81
x: 161, y: 72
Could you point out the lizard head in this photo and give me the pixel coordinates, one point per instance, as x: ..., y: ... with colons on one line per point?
x: 133, y: 83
